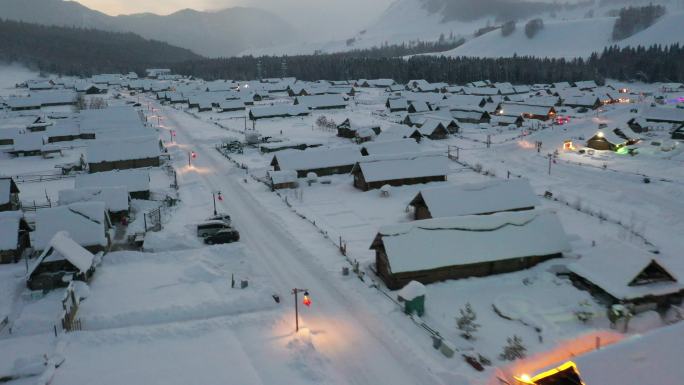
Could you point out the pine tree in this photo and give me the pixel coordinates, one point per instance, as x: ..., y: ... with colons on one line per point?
x: 466, y: 322
x: 513, y: 350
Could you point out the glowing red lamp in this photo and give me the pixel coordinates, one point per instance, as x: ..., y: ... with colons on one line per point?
x: 307, y: 300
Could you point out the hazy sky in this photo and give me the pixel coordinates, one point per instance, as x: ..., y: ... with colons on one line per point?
x: 324, y: 18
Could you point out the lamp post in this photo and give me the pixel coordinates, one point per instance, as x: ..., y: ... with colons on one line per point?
x: 214, y: 195
x: 306, y: 301
x: 191, y: 155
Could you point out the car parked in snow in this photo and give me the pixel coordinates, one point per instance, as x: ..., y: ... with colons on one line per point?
x: 211, y: 227
x: 223, y: 236
x: 220, y: 217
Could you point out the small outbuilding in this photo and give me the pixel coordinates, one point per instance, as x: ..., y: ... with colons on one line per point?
x: 413, y: 297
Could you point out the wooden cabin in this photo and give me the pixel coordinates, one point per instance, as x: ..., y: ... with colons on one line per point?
x: 62, y: 261
x: 474, y: 199
x: 321, y: 161
x: 440, y: 249
x: 374, y: 173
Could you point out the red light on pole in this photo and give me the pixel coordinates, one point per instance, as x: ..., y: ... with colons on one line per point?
x: 193, y: 154
x: 306, y: 301
x: 220, y: 197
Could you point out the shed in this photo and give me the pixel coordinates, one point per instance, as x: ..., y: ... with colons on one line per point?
x: 413, y: 297
x: 63, y: 260
x: 347, y: 129
x: 397, y: 104
x: 282, y: 179
x: 15, y: 236
x: 474, y: 199
x: 433, y: 250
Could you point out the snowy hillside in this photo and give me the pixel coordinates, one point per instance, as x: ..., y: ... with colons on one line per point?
x: 568, y: 32
x: 571, y: 38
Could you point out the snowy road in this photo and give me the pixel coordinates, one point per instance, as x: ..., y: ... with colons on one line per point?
x: 355, y: 346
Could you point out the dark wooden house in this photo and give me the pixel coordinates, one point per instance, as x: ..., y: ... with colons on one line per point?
x: 468, y: 246
x: 61, y: 262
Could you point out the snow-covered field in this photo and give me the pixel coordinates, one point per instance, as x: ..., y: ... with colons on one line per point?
x: 170, y: 314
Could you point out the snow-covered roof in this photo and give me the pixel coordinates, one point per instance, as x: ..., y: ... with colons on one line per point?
x: 320, y: 157
x: 61, y: 246
x: 134, y: 180
x: 115, y: 198
x: 141, y: 147
x: 463, y: 101
x: 442, y: 242
x: 9, y: 228
x: 29, y: 142
x: 663, y: 114
x: 586, y: 84
x: 396, y: 132
x: 85, y: 221
x: 283, y: 176
x: 403, y: 166
x: 401, y: 146
x: 412, y: 290
x: 518, y: 109
x: 278, y: 110
x: 613, y: 266
x: 581, y: 101
x: 321, y: 101
x: 652, y: 358
x: 121, y: 118
x: 231, y: 105
x: 479, y: 198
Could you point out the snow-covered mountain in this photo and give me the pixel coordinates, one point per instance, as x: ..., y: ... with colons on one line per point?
x: 569, y: 38
x: 571, y: 29
x: 221, y: 33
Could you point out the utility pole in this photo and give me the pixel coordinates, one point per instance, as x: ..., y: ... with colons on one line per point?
x: 550, y: 161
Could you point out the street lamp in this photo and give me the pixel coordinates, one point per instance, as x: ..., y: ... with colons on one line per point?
x: 306, y: 301
x: 191, y: 155
x: 173, y: 135
x: 214, y: 195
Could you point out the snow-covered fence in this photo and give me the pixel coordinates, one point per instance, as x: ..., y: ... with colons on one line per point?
x: 70, y: 305
x: 601, y: 216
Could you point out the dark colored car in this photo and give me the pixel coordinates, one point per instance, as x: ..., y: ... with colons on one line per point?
x: 223, y: 236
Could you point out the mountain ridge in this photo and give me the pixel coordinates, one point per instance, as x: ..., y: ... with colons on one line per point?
x: 219, y: 33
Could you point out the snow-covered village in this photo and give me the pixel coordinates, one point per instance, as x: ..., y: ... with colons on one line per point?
x: 179, y: 226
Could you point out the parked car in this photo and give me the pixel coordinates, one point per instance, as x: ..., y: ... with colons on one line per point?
x: 211, y: 227
x: 223, y: 236
x: 220, y: 217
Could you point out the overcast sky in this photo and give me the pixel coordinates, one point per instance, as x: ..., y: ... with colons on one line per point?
x: 325, y: 19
